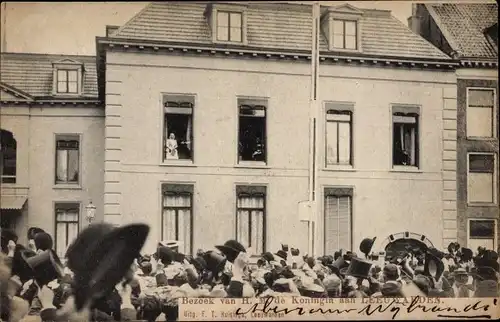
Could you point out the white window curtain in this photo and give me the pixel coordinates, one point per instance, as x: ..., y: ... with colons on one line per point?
x: 177, y: 220
x: 67, y: 165
x: 338, y: 139
x: 337, y: 223
x: 407, y: 134
x: 250, y: 222
x: 67, y: 230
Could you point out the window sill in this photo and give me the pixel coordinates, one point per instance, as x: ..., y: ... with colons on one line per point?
x: 481, y: 138
x: 177, y: 163
x: 482, y: 204
x: 343, y: 168
x: 67, y: 186
x: 406, y: 169
x: 252, y: 165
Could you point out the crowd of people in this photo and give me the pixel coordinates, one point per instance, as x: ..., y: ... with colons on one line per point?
x: 105, y: 278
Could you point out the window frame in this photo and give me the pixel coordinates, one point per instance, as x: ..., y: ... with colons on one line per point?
x: 344, y: 20
x: 495, y: 230
x: 339, y: 107
x: 257, y: 190
x: 15, y: 176
x: 177, y: 189
x: 67, y: 81
x: 229, y: 13
x: 338, y: 191
x: 253, y: 101
x: 211, y: 14
x: 494, y: 113
x: 495, y: 180
x: 66, y: 205
x: 192, y: 98
x: 408, y: 110
x: 68, y: 137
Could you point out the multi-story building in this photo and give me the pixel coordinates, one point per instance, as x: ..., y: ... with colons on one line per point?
x: 476, y: 47
x: 52, y: 143
x: 206, y: 129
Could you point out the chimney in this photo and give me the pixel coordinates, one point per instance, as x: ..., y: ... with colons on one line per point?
x: 110, y: 30
x: 414, y: 21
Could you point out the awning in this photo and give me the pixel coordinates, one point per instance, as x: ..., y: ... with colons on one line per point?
x: 12, y: 202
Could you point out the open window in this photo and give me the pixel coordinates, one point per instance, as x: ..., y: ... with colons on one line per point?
x: 8, y: 157
x: 405, y: 136
x: 178, y: 127
x: 252, y: 130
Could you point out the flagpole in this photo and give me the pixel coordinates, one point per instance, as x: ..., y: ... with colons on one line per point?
x: 313, y: 128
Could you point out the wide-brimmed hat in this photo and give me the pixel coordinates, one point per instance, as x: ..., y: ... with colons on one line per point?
x: 101, y: 256
x: 359, y: 268
x: 281, y: 254
x: 231, y: 249
x: 460, y: 272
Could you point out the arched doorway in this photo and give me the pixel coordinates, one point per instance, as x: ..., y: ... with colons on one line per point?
x: 396, y: 245
x: 8, y: 157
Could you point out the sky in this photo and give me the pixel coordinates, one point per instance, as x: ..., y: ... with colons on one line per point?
x: 71, y: 28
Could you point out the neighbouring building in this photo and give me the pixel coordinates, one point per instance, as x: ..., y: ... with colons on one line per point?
x: 52, y: 143
x: 469, y: 33
x: 204, y: 133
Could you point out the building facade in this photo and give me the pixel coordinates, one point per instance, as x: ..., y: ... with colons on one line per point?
x: 476, y: 47
x: 204, y: 132
x: 52, y: 143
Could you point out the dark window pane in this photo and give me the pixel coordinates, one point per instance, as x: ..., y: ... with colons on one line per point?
x: 482, y: 229
x: 481, y: 163
x: 252, y: 135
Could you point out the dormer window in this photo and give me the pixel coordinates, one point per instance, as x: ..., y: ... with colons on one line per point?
x: 227, y: 23
x: 341, y: 26
x: 68, y: 77
x: 229, y: 26
x: 67, y: 81
x: 345, y: 34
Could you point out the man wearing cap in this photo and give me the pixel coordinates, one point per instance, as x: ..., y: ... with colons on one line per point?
x: 392, y: 285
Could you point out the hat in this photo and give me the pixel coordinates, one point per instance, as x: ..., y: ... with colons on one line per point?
x: 199, y: 263
x: 33, y: 231
x: 165, y: 254
x: 366, y: 245
x: 332, y: 282
x: 460, y: 272
x: 453, y: 246
x: 281, y: 285
x: 101, y: 256
x: 231, y: 249
x: 466, y: 254
x: 268, y: 256
x: 281, y: 254
x: 339, y: 264
x: 359, y: 268
x: 215, y: 262
x: 295, y: 251
x: 43, y: 241
x: 172, y: 244
x: 391, y: 271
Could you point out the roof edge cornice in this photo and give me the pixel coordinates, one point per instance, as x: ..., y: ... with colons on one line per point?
x: 16, y: 92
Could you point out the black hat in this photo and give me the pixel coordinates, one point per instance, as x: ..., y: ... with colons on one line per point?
x: 101, y: 256
x: 33, y: 231
x: 43, y: 241
x: 366, y: 245
x: 6, y: 236
x: 338, y: 265
x: 215, y: 262
x: 268, y: 256
x: 46, y: 266
x: 199, y: 263
x: 359, y: 268
x: 282, y: 254
x: 466, y: 254
x: 231, y: 249
x: 165, y: 254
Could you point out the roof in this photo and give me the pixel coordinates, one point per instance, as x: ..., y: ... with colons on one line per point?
x: 274, y: 26
x: 464, y: 24
x: 32, y: 74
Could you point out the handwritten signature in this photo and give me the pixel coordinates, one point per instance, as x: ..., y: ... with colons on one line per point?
x: 394, y: 306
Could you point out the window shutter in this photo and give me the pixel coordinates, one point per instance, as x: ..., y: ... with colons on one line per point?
x: 338, y: 229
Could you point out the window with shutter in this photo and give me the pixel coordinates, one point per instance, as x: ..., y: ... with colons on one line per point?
x: 338, y: 220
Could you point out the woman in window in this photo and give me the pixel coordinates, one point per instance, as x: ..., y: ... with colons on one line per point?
x: 172, y: 147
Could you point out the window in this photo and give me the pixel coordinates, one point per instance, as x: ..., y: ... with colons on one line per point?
x: 67, y: 225
x: 338, y: 219
x: 480, y: 107
x: 67, y: 159
x: 252, y: 130
x: 251, y: 217
x: 177, y: 219
x: 178, y: 127
x: 481, y: 178
x: 8, y: 157
x: 229, y: 26
x: 345, y: 34
x: 482, y: 233
x: 405, y: 141
x: 67, y: 81
x: 338, y: 135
